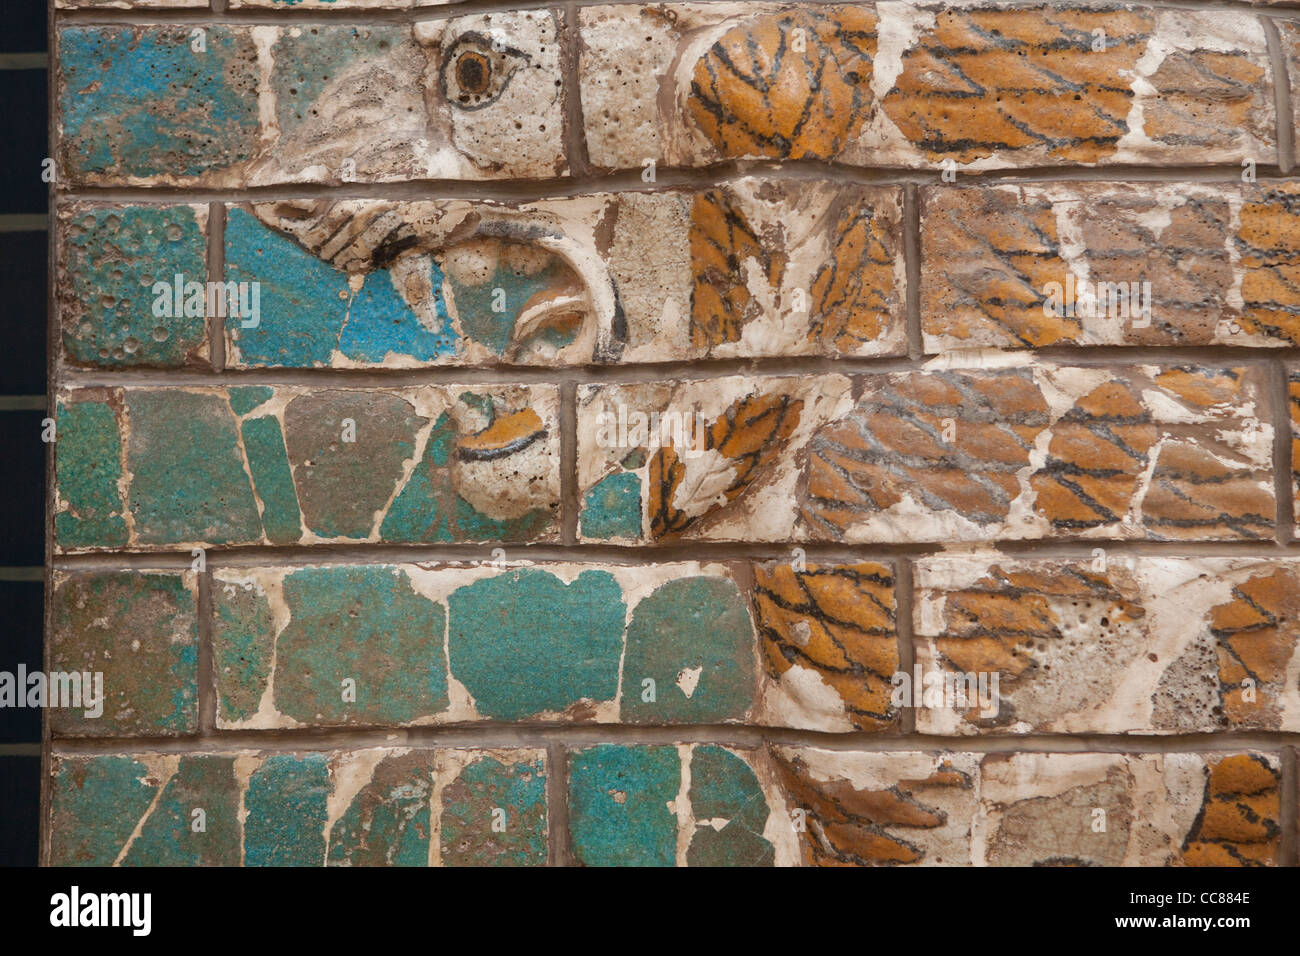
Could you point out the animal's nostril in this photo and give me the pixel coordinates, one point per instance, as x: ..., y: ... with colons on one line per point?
x: 473, y: 70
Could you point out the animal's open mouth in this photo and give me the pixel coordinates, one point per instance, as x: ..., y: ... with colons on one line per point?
x: 515, y: 299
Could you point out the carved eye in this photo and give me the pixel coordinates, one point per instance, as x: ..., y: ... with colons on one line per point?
x: 473, y: 73
x: 476, y: 70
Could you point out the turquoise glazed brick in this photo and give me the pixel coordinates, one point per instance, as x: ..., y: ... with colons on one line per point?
x: 492, y: 808
x: 387, y: 822
x: 113, y: 257
x: 138, y: 630
x: 89, y: 510
x: 526, y: 643
x: 188, y: 480
x: 371, y: 807
x: 243, y: 641
x: 268, y: 463
x: 724, y: 787
x: 141, y: 103
x: 300, y: 465
x: 618, y: 805
x: 99, y: 802
x: 364, y: 625
x: 612, y: 508
x: 543, y: 642
x: 359, y: 646
x: 306, y: 60
x: 286, y: 801
x: 626, y: 807
x: 94, y: 805
x: 692, y: 638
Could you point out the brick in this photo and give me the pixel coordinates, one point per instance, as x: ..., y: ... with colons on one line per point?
x: 1041, y: 809
x: 1196, y: 265
x: 491, y: 808
x: 139, y: 105
x: 113, y: 312
x: 302, y: 465
x: 333, y: 4
x: 748, y: 269
x: 1172, y: 453
x: 683, y: 805
x: 138, y: 632
x: 675, y: 643
x: 350, y: 103
x: 465, y: 643
x: 1034, y: 451
x: 372, y: 807
x: 829, y: 644
x: 128, y: 4
x: 890, y: 85
x: 1112, y: 644
x: 715, y: 464
x: 145, y: 810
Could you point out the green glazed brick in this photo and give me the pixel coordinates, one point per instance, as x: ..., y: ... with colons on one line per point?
x: 145, y: 810
x: 89, y: 510
x: 387, y: 822
x: 619, y: 805
x: 641, y: 805
x: 417, y: 644
x: 291, y: 465
x: 694, y: 640
x: 287, y: 801
x: 118, y: 285
x: 492, y: 808
x: 526, y: 644
x: 135, y: 634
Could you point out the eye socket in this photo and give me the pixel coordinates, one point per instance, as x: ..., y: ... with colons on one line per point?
x: 476, y: 70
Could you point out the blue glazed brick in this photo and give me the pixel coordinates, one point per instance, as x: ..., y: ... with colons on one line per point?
x: 627, y: 807
x: 116, y: 304
x: 312, y: 316
x: 618, y: 805
x: 525, y: 643
x: 286, y: 802
x: 143, y: 103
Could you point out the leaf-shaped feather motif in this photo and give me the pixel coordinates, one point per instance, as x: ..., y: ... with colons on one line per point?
x: 847, y: 826
x: 737, y: 446
x: 721, y: 240
x: 837, y: 621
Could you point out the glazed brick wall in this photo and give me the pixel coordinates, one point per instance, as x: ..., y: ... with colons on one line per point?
x: 389, y: 565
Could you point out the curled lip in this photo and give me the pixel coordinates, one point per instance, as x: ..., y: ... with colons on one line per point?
x: 505, y: 436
